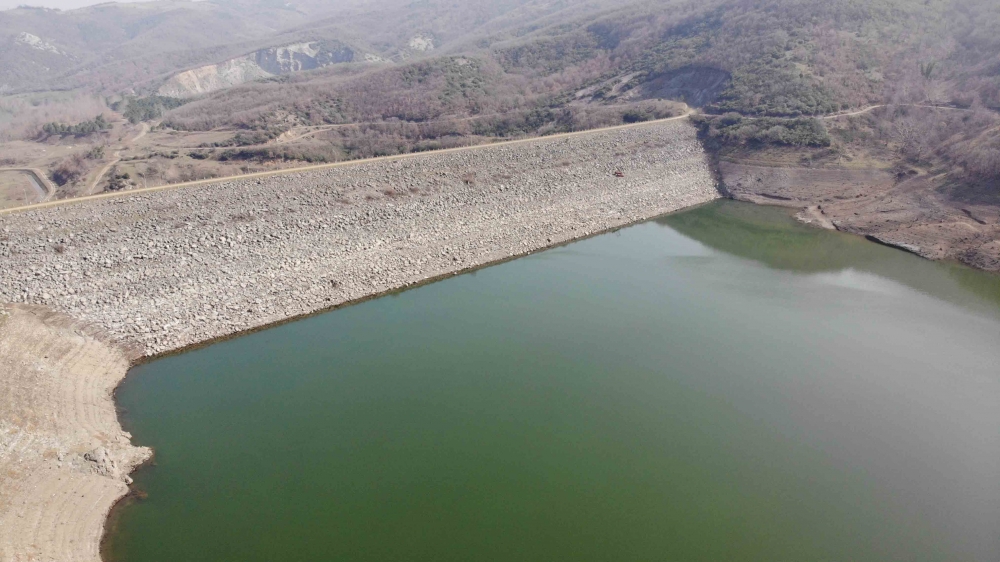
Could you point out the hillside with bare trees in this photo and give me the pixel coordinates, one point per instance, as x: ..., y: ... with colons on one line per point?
x: 200, y: 90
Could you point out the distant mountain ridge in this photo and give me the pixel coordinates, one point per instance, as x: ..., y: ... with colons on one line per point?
x: 113, y: 47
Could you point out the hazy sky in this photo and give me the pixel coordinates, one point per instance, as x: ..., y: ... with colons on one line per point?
x: 61, y: 4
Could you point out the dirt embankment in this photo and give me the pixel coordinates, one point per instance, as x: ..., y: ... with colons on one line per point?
x: 64, y: 459
x: 909, y: 212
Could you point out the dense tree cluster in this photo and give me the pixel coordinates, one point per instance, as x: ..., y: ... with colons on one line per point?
x: 774, y: 87
x: 250, y: 137
x: 734, y: 129
x: 139, y: 109
x: 94, y: 125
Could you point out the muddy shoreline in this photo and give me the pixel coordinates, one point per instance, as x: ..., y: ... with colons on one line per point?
x: 914, y: 213
x: 63, y: 453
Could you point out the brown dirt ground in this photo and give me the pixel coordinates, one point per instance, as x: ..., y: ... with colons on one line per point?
x: 64, y: 458
x: 913, y: 212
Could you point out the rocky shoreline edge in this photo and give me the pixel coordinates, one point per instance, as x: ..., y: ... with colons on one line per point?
x: 160, y: 272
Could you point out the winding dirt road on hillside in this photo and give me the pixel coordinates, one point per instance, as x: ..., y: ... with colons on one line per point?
x: 871, y: 108
x: 116, y: 157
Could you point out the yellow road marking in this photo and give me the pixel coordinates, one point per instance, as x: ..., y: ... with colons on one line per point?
x: 315, y: 167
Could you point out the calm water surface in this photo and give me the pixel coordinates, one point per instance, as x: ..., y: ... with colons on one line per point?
x: 721, y: 384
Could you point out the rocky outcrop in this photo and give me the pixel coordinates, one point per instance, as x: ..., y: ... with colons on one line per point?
x: 303, y: 56
x: 116, y: 463
x: 260, y: 64
x: 213, y: 77
x: 422, y: 42
x: 167, y: 269
x: 37, y: 43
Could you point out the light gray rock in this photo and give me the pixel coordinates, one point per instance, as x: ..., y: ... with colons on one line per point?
x: 168, y: 269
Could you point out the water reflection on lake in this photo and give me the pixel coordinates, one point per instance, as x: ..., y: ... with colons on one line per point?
x: 721, y: 384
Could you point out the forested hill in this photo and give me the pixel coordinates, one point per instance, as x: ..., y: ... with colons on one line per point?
x: 756, y: 58
x: 784, y: 57
x: 903, y: 94
x: 779, y: 57
x: 516, y: 67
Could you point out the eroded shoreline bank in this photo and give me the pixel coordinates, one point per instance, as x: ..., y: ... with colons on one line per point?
x: 64, y: 457
x: 163, y: 271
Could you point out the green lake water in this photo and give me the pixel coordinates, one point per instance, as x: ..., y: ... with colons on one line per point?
x: 719, y: 384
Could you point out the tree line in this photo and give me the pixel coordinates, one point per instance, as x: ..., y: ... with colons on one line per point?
x: 95, y: 125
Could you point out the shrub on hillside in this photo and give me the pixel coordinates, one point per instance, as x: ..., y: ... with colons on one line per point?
x: 94, y: 125
x: 772, y: 87
x: 734, y: 129
x: 69, y: 170
x: 137, y: 110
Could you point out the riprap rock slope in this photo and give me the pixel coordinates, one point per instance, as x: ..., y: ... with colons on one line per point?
x: 167, y: 269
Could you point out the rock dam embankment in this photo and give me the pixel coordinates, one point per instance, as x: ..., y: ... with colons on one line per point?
x: 168, y: 269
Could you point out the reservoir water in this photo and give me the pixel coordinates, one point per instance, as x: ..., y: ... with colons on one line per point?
x: 719, y: 384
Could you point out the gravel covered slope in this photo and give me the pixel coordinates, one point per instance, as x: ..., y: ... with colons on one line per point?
x: 168, y: 269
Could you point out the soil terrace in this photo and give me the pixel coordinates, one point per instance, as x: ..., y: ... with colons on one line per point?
x: 64, y: 459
